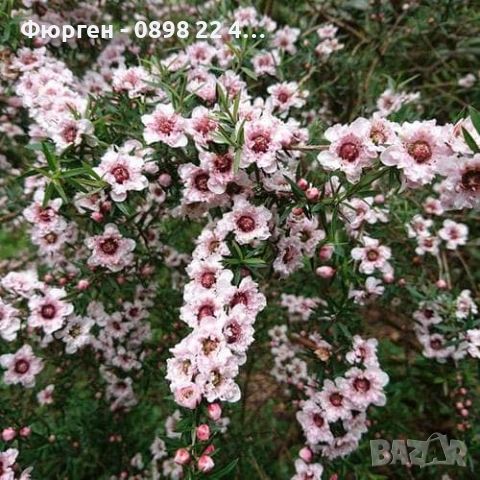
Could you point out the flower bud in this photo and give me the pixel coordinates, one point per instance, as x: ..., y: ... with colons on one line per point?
x: 312, y: 194
x: 203, y: 432
x: 8, y: 434
x: 182, y: 456
x: 209, y: 450
x: 214, y: 411
x: 165, y: 180
x: 302, y: 184
x: 97, y: 217
x: 205, y: 463
x: 441, y: 283
x: 325, y: 272
x: 325, y: 253
x: 83, y: 284
x: 25, y: 432
x: 306, y: 454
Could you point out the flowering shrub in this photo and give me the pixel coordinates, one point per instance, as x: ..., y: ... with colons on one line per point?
x: 238, y: 257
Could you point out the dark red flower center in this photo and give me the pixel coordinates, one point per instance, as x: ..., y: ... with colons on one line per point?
x: 471, y: 180
x: 201, y: 182
x: 246, y: 223
x: 361, y: 385
x: 120, y: 173
x: 349, y: 152
x: 48, y: 311
x: 223, y: 163
x: 260, y: 143
x: 22, y: 366
x: 420, y: 151
x: 336, y: 399
x: 208, y: 280
x: 109, y: 246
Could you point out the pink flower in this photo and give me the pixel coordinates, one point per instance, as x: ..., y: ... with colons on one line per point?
x: 49, y: 310
x: 289, y: 256
x: 351, y: 149
x: 246, y: 221
x: 314, y: 423
x: 307, y: 471
x: 68, y: 131
x: 123, y: 171
x: 285, y: 38
x: 164, y: 125
x: 287, y: 95
x: 461, y: 188
x: 188, y: 396
x: 420, y: 147
x: 45, y: 396
x: 214, y: 411
x: 334, y: 400
x: 202, y: 126
x: 372, y: 256
x: 200, y: 53
x: 365, y: 387
x: 110, y: 249
x: 220, y: 170
x: 7, y: 461
x: 203, y: 432
x: 9, y: 322
x: 454, y: 234
x: 205, y: 463
x: 265, y: 63
x: 133, y: 80
x: 196, y: 181
x: 8, y: 434
x: 363, y: 351
x: 22, y: 367
x: 263, y: 139
x: 182, y: 456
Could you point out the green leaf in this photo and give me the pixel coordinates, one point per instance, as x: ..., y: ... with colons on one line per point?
x: 475, y: 116
x: 225, y: 470
x: 470, y: 141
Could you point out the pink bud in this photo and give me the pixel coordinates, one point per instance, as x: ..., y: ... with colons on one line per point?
x: 441, y: 283
x: 379, y: 198
x: 210, y: 449
x: 106, y: 206
x: 463, y: 391
x: 325, y: 253
x: 63, y: 281
x: 83, y: 284
x: 388, y: 278
x: 214, y: 411
x: 464, y: 412
x: 468, y: 403
x: 97, y: 217
x: 48, y: 278
x: 8, y: 434
x: 306, y: 454
x: 165, y: 180
x: 25, y: 432
x: 297, y: 211
x: 205, y: 463
x: 325, y: 272
x: 302, y: 184
x: 402, y: 282
x: 182, y: 456
x: 459, y: 405
x: 203, y: 432
x: 312, y: 194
